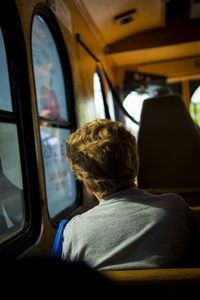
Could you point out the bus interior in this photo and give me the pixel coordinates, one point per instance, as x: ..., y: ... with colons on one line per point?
x: 67, y: 62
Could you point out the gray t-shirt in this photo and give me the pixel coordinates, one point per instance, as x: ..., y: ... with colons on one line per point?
x: 132, y: 229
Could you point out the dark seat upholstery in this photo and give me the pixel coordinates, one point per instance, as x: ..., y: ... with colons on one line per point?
x: 169, y: 146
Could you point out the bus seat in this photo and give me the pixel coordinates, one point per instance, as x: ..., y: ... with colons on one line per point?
x: 169, y: 147
x: 196, y: 213
x: 158, y: 283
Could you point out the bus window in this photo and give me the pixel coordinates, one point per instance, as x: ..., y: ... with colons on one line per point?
x: 54, y: 118
x: 195, y: 106
x: 12, y: 216
x: 111, y: 105
x: 98, y: 96
x: 5, y: 97
x: 133, y: 104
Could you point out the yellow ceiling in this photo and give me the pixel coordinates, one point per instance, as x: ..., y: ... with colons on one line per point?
x: 144, y: 56
x: 154, y: 36
x: 149, y: 15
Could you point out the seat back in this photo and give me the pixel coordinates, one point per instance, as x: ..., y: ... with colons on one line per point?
x: 168, y: 146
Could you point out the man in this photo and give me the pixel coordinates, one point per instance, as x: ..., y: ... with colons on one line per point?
x: 130, y: 228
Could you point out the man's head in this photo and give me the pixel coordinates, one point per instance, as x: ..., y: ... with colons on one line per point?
x: 103, y: 154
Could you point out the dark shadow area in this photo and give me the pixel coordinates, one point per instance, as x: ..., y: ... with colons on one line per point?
x: 42, y: 277
x: 51, y: 277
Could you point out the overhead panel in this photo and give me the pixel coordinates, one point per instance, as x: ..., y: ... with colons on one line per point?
x: 148, y: 15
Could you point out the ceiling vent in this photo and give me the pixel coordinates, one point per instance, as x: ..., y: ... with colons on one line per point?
x: 194, y: 9
x: 126, y: 17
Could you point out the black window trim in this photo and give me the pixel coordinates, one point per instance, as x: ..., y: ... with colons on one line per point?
x: 21, y: 116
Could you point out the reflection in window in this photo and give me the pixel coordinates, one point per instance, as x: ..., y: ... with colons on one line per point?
x: 49, y: 80
x: 133, y: 104
x: 58, y: 176
x: 195, y: 106
x: 12, y: 217
x: 5, y: 97
x: 98, y: 97
x: 54, y: 130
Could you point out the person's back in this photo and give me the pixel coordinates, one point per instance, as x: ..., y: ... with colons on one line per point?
x: 130, y: 228
x: 133, y: 229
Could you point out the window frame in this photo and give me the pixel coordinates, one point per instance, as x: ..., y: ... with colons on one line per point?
x: 21, y: 116
x: 48, y: 17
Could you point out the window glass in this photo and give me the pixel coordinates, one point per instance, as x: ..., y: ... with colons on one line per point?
x: 133, y: 104
x: 111, y: 106
x: 98, y: 97
x: 195, y: 106
x: 5, y: 97
x: 12, y: 217
x: 49, y: 80
x: 55, y: 129
x: 60, y: 181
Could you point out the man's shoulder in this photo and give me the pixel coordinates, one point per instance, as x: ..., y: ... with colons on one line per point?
x: 177, y: 199
x: 175, y: 202
x: 81, y: 218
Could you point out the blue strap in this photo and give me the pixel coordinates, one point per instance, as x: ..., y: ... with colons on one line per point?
x: 57, y: 244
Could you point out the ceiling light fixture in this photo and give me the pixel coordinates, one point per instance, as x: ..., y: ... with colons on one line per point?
x: 126, y: 17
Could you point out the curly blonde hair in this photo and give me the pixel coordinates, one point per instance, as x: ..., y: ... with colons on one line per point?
x: 103, y: 154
